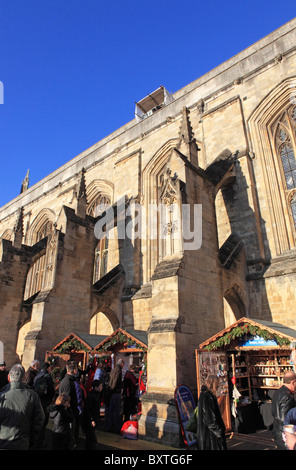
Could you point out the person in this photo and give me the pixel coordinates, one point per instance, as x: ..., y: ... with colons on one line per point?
x: 44, y: 387
x: 99, y: 373
x: 90, y: 371
x: 20, y: 427
x: 210, y: 426
x: 62, y: 417
x: 67, y: 386
x: 106, y: 391
x: 91, y: 414
x: 3, y: 375
x: 282, y: 401
x: 290, y: 441
x: 130, y: 388
x: 31, y: 373
x: 79, y: 393
x: 113, y: 419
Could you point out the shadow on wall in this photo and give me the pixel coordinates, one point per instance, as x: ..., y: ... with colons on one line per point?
x: 248, y: 230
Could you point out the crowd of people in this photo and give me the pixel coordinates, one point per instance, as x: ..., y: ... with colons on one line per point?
x: 30, y: 399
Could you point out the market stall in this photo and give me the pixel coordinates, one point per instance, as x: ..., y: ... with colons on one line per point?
x: 129, y: 345
x: 251, y: 357
x: 75, y: 346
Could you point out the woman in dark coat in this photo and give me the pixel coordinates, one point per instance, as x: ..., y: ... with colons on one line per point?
x: 210, y: 425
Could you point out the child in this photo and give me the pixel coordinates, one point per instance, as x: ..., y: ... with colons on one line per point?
x: 62, y: 417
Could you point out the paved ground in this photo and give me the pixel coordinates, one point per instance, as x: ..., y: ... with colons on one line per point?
x: 107, y: 441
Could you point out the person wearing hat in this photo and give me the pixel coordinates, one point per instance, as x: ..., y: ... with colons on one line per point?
x: 3, y: 375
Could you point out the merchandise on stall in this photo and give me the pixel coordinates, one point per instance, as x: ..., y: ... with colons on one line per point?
x: 251, y: 357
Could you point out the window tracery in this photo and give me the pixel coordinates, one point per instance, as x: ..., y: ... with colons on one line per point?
x: 101, y: 259
x: 285, y: 143
x: 99, y: 205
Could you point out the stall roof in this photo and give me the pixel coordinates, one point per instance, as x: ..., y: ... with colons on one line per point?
x: 139, y: 336
x: 273, y: 328
x: 89, y: 340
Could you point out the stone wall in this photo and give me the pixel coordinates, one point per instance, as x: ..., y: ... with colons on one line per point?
x: 211, y: 146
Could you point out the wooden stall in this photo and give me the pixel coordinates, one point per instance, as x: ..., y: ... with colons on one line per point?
x: 78, y: 347
x: 130, y: 345
x: 251, y: 357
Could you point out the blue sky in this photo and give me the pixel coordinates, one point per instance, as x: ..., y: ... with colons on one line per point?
x: 72, y: 69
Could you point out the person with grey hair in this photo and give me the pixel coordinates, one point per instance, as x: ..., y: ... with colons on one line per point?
x: 21, y: 413
x: 31, y: 373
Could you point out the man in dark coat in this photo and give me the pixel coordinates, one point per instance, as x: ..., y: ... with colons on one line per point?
x: 67, y: 387
x: 44, y: 387
x: 18, y: 429
x: 282, y: 401
x: 91, y: 414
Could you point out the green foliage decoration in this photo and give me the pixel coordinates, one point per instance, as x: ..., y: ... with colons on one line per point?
x: 121, y: 338
x: 72, y: 345
x: 249, y: 331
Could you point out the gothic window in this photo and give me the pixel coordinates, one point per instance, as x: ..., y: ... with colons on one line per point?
x: 35, y: 277
x: 99, y: 205
x: 44, y: 231
x: 41, y: 272
x: 101, y: 259
x: 7, y: 235
x: 285, y: 142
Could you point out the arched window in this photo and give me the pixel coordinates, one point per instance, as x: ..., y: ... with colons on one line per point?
x: 35, y: 277
x: 99, y: 205
x: 285, y: 143
x: 44, y: 231
x: 101, y: 259
x: 41, y: 272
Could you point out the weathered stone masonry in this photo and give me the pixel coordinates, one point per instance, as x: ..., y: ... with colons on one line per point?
x: 226, y: 142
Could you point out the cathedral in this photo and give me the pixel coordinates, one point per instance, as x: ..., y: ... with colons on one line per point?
x: 177, y: 224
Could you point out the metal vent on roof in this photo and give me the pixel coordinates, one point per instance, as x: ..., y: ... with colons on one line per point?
x: 152, y: 103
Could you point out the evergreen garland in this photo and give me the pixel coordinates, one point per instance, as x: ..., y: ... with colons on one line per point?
x: 121, y: 338
x: 250, y: 330
x: 72, y: 345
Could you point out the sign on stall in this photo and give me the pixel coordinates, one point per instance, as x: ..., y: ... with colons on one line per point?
x: 185, y: 407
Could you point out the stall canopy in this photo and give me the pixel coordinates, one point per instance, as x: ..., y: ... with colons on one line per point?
x: 127, y: 339
x: 277, y: 334
x: 74, y: 341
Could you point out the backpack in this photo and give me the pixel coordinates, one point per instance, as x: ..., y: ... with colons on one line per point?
x: 41, y: 386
